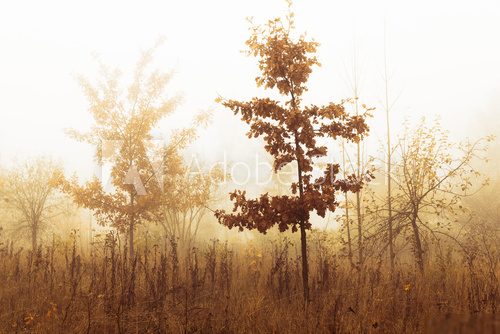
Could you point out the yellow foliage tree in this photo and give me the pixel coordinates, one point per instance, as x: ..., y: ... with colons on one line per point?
x: 122, y: 134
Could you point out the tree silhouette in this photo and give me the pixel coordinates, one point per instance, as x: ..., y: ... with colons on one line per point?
x: 31, y: 196
x: 292, y: 133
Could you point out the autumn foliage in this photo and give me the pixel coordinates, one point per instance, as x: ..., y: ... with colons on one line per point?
x: 292, y: 132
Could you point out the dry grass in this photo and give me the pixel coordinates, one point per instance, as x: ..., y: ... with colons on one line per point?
x: 219, y: 288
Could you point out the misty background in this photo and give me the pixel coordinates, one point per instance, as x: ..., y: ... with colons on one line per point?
x: 442, y: 62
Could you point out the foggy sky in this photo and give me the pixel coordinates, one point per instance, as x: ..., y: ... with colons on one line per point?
x: 443, y: 59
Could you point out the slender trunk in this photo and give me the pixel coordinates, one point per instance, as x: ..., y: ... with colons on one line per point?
x: 360, y: 225
x: 131, y: 240
x: 419, y: 253
x: 389, y: 198
x: 347, y: 223
x: 358, y: 196
x: 34, y: 238
x: 389, y: 218
x: 355, y: 88
x: 302, y: 223
x: 305, y: 265
x: 131, y: 230
x: 348, y: 227
x: 303, y: 237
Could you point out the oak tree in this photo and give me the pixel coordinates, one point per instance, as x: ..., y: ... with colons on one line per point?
x: 292, y: 132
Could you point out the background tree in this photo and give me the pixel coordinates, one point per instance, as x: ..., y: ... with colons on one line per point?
x: 31, y: 198
x: 292, y: 133
x: 189, y: 191
x: 359, y: 166
x: 387, y: 107
x: 346, y: 206
x: 123, y: 122
x: 432, y: 177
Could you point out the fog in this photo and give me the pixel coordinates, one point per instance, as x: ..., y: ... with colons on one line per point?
x: 442, y: 62
x: 176, y: 167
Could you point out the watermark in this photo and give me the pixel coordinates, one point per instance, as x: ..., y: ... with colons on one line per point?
x: 149, y: 165
x: 115, y: 157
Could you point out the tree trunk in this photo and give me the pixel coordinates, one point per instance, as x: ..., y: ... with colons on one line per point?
x: 360, y: 231
x: 389, y: 162
x: 131, y: 241
x: 305, y: 264
x: 131, y: 230
x: 419, y: 253
x: 303, y: 237
x: 389, y: 200
x: 358, y: 208
x: 348, y: 227
x: 347, y: 224
x: 389, y: 227
x: 34, y: 239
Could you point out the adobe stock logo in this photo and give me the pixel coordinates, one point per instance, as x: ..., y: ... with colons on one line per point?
x: 111, y: 151
x: 254, y: 171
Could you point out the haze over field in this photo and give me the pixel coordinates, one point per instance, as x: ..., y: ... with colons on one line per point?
x: 249, y: 166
